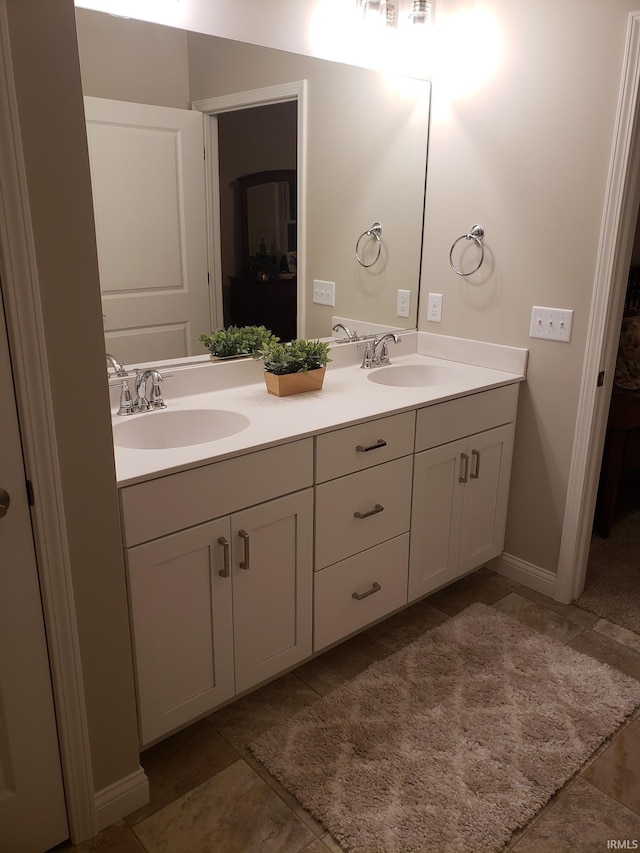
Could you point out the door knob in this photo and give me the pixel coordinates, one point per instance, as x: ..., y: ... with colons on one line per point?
x: 5, y: 500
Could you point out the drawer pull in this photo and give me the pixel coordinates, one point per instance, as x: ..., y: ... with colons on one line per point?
x: 244, y: 564
x: 360, y: 595
x: 377, y: 508
x: 464, y: 478
x: 379, y: 443
x: 225, y: 571
x: 475, y: 474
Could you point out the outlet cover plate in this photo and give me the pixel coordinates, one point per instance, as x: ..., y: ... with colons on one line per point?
x: 434, y: 310
x: 554, y: 324
x: 324, y: 292
x: 404, y: 303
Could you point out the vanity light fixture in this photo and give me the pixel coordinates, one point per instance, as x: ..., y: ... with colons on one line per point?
x: 379, y: 11
x: 420, y: 12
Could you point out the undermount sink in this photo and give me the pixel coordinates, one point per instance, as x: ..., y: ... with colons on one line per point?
x: 168, y: 428
x: 414, y: 375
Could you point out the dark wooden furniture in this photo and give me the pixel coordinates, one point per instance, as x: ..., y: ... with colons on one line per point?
x: 622, y: 443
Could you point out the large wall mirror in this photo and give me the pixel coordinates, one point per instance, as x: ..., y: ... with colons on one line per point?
x: 364, y: 161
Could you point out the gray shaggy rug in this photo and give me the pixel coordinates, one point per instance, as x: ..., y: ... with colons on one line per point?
x: 453, y: 742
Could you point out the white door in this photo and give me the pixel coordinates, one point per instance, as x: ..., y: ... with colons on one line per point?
x: 181, y: 619
x: 147, y: 175
x: 486, y: 495
x: 32, y: 806
x: 272, y: 564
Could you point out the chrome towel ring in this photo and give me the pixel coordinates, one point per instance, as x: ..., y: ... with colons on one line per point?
x: 375, y: 231
x: 477, y: 234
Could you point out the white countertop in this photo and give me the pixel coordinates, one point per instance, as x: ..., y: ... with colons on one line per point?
x: 348, y: 397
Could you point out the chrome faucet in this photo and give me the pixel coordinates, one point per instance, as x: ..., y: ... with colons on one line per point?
x: 118, y: 369
x: 376, y: 351
x: 144, y: 403
x: 351, y: 336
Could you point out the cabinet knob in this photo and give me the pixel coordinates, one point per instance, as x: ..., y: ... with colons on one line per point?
x: 360, y: 595
x: 464, y: 477
x: 377, y: 508
x: 475, y: 455
x: 379, y: 443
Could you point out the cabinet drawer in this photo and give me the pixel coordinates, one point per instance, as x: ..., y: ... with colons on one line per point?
x: 378, y: 576
x: 465, y: 416
x: 355, y: 448
x: 356, y: 512
x: 178, y: 501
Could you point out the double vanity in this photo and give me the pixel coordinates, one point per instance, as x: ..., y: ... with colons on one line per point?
x: 258, y: 531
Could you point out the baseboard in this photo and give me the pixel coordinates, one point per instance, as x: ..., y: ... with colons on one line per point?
x: 121, y: 798
x: 525, y: 573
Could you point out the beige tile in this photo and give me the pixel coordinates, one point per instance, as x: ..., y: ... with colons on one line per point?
x: 582, y: 820
x: 343, y: 662
x: 398, y: 631
x: 180, y: 763
x: 315, y: 826
x: 243, y: 720
x: 617, y: 771
x: 539, y: 618
x: 116, y: 838
x: 459, y: 595
x: 620, y: 635
x: 569, y: 611
x: 608, y: 651
x: 508, y: 583
x: 234, y: 812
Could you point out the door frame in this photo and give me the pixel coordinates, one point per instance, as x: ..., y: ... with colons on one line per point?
x: 212, y: 107
x: 29, y: 364
x: 622, y: 198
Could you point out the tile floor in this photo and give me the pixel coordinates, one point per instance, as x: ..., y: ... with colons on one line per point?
x: 209, y: 794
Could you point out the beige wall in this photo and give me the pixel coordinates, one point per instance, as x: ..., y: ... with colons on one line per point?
x: 130, y: 60
x: 42, y: 35
x: 527, y: 157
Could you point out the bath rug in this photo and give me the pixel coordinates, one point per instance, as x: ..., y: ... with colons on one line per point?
x: 451, y: 743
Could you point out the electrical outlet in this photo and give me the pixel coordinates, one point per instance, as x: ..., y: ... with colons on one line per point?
x: 324, y: 292
x: 554, y: 324
x: 404, y: 303
x: 434, y: 311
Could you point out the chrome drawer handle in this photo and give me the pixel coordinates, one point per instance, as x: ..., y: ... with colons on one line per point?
x: 475, y: 474
x: 464, y: 478
x: 244, y: 564
x: 379, y: 443
x: 360, y: 595
x: 225, y: 571
x: 377, y: 508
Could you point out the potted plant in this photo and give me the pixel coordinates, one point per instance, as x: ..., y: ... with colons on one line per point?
x: 235, y: 341
x: 294, y: 367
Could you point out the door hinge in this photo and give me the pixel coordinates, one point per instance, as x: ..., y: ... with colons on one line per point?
x: 600, y: 379
x: 30, y: 496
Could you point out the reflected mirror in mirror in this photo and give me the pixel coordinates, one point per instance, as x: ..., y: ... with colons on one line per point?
x: 364, y: 160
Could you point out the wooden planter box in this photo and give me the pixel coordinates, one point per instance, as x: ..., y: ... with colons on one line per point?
x: 294, y: 383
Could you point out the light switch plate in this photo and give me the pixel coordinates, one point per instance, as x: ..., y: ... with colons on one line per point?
x: 324, y: 292
x: 554, y: 324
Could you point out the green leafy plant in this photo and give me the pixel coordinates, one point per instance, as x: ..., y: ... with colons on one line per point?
x: 237, y: 340
x: 297, y: 356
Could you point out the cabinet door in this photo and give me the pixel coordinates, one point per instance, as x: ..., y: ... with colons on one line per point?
x: 181, y: 623
x: 486, y: 495
x: 272, y: 587
x: 435, y: 518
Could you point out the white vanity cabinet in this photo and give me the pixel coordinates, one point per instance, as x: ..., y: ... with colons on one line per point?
x: 222, y: 605
x: 460, y: 487
x: 363, y: 512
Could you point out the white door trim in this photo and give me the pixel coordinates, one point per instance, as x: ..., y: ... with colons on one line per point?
x: 29, y: 359
x: 295, y: 91
x: 622, y: 198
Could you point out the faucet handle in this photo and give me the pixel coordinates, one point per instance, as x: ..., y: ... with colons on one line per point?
x: 126, y: 403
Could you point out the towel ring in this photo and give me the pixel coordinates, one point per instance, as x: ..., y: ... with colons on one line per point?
x: 477, y: 234
x: 375, y: 231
